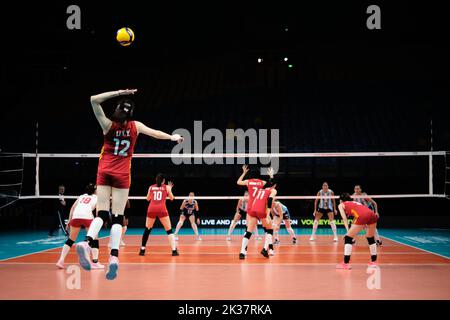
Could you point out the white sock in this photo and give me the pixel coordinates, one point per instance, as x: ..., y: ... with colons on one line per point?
x: 179, y: 225
x: 194, y: 227
x: 232, y: 226
x: 172, y: 242
x: 95, y: 227
x: 64, y: 252
x: 291, y: 232
x: 347, y: 249
x: 315, y: 225
x: 269, y: 240
x: 244, y: 245
x: 94, y: 253
x: 373, y: 249
x: 333, y: 227
x: 116, y: 233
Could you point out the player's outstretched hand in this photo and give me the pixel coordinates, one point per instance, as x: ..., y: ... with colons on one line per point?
x: 270, y: 172
x: 176, y: 137
x: 170, y: 184
x: 245, y: 168
x: 127, y: 92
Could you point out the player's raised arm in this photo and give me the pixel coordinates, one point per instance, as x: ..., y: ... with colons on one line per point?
x: 240, y: 181
x: 96, y: 101
x: 343, y: 215
x: 169, y: 190
x: 142, y: 128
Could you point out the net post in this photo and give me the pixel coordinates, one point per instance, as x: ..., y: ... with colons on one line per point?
x: 430, y: 174
x: 36, y: 186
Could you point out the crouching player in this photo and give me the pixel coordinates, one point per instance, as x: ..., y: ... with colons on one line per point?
x: 362, y: 217
x: 260, y: 210
x: 81, y: 216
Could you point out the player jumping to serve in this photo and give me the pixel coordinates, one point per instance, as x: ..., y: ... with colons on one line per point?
x: 362, y: 217
x: 113, y: 175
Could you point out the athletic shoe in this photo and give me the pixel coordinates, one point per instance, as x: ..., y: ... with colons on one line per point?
x: 83, y: 251
x: 335, y: 239
x: 113, y: 268
x: 265, y: 253
x: 343, y: 266
x: 271, y: 252
x: 241, y: 256
x: 277, y: 241
x: 294, y: 240
x: 97, y: 266
x: 142, y: 252
x: 199, y: 238
x: 372, y: 264
x: 60, y: 264
x: 379, y: 243
x: 312, y: 238
x: 228, y: 238
x: 175, y: 253
x: 122, y: 243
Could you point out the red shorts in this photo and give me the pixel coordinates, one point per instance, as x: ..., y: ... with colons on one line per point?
x: 115, y: 180
x: 77, y: 223
x: 259, y: 215
x: 365, y: 219
x: 157, y: 214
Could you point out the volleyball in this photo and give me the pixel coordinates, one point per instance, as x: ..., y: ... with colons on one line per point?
x: 125, y: 36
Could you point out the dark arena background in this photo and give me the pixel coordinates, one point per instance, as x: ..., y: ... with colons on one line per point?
x: 350, y: 106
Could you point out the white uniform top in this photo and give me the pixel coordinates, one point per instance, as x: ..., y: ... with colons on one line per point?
x: 86, y: 204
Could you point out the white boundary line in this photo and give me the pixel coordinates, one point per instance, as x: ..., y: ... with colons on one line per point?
x: 40, y: 251
x: 269, y: 263
x: 409, y: 245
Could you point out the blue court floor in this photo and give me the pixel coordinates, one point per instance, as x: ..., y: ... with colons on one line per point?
x: 17, y: 243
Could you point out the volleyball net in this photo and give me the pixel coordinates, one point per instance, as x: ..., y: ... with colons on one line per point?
x: 421, y: 174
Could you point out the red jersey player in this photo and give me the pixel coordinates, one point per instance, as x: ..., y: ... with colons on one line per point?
x: 262, y: 203
x: 253, y: 185
x: 157, y: 194
x: 113, y: 175
x: 363, y: 217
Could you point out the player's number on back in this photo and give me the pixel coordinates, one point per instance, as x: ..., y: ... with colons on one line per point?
x: 125, y: 144
x: 260, y: 194
x: 85, y: 200
x: 157, y: 195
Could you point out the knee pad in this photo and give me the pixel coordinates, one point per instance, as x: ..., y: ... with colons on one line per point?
x: 248, y: 235
x: 348, y: 240
x: 169, y: 231
x: 70, y: 242
x: 117, y: 219
x: 270, y: 231
x: 371, y: 240
x: 104, y: 215
x: 94, y: 244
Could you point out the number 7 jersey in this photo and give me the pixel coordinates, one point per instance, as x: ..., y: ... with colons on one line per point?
x: 118, y: 148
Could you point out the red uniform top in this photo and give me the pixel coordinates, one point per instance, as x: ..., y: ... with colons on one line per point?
x: 157, y: 196
x: 118, y: 148
x: 253, y: 185
x: 259, y: 204
x: 362, y: 214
